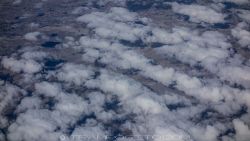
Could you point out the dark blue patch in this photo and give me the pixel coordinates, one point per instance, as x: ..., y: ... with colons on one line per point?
x: 153, y: 62
x: 162, y: 6
x: 172, y: 85
x: 4, y: 132
x: 150, y: 33
x: 112, y: 105
x: 131, y: 71
x: 229, y: 17
x: 238, y: 86
x: 114, y: 127
x: 229, y: 5
x: 97, y: 74
x: 52, y: 64
x: 5, y: 77
x: 139, y: 5
x: 9, y: 111
x: 99, y: 64
x: 198, y: 66
x: 182, y: 17
x: 228, y: 132
x: 96, y: 5
x: 53, y: 35
x: 199, y: 26
x: 156, y: 45
x: 83, y: 120
x: 137, y: 43
x: 50, y: 44
x: 10, y: 114
x: 246, y: 49
x: 207, y: 114
x: 221, y: 25
x: 40, y: 14
x: 49, y: 103
x: 176, y: 106
x: 115, y: 134
x: 29, y: 93
x: 185, y: 1
x: 239, y: 113
x: 140, y: 23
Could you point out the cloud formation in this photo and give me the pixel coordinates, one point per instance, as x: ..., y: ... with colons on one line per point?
x: 199, y: 13
x: 122, y: 75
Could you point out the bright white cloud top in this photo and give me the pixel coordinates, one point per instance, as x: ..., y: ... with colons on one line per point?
x: 199, y: 13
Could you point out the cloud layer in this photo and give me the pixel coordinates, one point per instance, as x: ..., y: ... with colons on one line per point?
x: 117, y: 74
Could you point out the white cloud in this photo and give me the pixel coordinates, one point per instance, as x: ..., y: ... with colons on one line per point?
x: 33, y: 125
x: 16, y: 2
x: 209, y: 133
x: 240, y: 33
x: 90, y: 133
x: 72, y: 105
x: 29, y: 103
x: 242, y: 130
x: 170, y: 134
x: 22, y: 65
x: 33, y: 54
x: 147, y: 105
x: 199, y: 13
x: 32, y: 36
x: 48, y: 89
x: 125, y: 88
x: 114, y: 24
x: 74, y: 73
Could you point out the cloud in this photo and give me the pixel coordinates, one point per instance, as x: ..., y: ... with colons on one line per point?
x: 244, y: 14
x: 242, y: 130
x: 241, y: 34
x: 42, y: 127
x: 22, y: 65
x: 29, y: 103
x: 32, y: 36
x: 147, y: 105
x: 114, y: 82
x: 208, y: 134
x: 48, y: 89
x: 120, y: 85
x: 113, y: 25
x: 199, y: 13
x: 73, y: 73
x: 90, y: 133
x: 170, y: 134
x: 16, y: 2
x: 9, y: 98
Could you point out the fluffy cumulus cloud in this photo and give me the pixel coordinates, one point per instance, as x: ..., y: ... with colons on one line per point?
x: 242, y: 130
x: 199, y: 13
x: 75, y: 73
x: 113, y: 24
x: 32, y: 36
x: 23, y: 65
x: 241, y: 34
x: 121, y: 75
